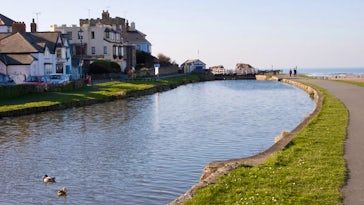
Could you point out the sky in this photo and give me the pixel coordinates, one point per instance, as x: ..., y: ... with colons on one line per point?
x: 266, y: 34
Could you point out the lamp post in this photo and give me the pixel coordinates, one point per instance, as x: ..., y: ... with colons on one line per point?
x: 80, y: 36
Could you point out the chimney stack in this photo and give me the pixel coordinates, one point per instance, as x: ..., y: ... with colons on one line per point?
x: 18, y: 27
x: 127, y: 25
x: 33, y: 27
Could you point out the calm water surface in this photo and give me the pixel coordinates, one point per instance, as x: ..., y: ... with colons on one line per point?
x: 146, y: 150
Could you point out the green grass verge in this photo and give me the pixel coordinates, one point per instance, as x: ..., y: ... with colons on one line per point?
x: 361, y: 84
x: 311, y: 170
x: 98, y: 91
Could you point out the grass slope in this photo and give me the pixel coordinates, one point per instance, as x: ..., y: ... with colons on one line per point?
x: 311, y: 170
x: 97, y: 91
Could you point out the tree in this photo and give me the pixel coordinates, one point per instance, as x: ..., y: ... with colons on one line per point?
x: 144, y: 59
x: 165, y: 60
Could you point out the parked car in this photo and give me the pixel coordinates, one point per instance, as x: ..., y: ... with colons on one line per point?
x: 59, y: 79
x: 38, y: 80
x: 6, y: 80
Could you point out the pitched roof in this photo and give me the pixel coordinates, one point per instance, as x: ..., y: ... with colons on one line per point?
x: 5, y: 21
x: 41, y: 39
x: 193, y: 61
x: 16, y: 43
x: 17, y: 59
x: 29, y: 42
x: 3, y: 35
x: 243, y: 66
x: 135, y: 36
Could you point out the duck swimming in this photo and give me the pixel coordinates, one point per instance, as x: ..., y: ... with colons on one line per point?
x: 47, y: 179
x: 62, y: 192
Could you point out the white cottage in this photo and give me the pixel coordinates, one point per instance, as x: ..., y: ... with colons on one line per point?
x: 193, y: 65
x: 24, y: 54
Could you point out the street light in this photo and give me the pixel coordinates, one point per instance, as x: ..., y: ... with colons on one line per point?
x: 80, y: 36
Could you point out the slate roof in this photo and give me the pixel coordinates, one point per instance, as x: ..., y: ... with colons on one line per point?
x: 40, y: 39
x: 193, y: 61
x: 6, y: 21
x: 135, y: 37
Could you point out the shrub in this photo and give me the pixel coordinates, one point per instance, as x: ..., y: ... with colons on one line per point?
x: 104, y: 66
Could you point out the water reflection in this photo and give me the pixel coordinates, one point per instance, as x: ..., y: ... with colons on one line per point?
x: 145, y: 150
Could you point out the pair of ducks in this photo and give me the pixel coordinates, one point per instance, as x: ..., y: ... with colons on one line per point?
x: 48, y: 179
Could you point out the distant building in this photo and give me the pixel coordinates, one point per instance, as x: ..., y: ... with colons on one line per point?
x: 193, y: 65
x: 6, y: 24
x: 24, y: 54
x: 218, y: 70
x: 244, y: 69
x: 134, y: 37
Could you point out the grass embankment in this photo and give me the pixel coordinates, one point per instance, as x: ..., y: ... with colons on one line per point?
x: 358, y: 83
x: 311, y: 170
x: 99, y: 91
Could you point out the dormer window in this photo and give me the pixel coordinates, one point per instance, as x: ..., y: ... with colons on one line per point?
x: 107, y: 33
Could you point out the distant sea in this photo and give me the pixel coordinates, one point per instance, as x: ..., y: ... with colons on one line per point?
x: 330, y: 72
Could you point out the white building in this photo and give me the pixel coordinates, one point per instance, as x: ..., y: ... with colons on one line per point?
x: 193, y: 65
x: 218, y: 70
x: 244, y: 69
x: 24, y: 54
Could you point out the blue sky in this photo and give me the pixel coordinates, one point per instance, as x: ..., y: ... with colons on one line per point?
x: 263, y: 33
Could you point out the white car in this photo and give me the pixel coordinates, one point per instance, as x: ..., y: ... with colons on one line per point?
x: 59, y: 79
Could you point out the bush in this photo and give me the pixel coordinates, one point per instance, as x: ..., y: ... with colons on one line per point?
x: 104, y: 66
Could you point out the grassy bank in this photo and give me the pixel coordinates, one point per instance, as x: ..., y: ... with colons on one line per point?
x: 99, y: 91
x: 311, y: 170
x: 361, y: 84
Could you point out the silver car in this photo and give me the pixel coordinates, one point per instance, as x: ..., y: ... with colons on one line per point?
x: 59, y: 79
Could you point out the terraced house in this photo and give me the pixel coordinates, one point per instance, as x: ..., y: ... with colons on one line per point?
x: 24, y: 54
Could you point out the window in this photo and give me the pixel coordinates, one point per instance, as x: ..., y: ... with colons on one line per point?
x: 93, y: 50
x: 59, y: 53
x: 48, y: 68
x: 107, y: 34
x: 105, y: 50
x: 120, y: 52
x: 118, y: 39
x: 92, y: 34
x: 114, y: 50
x: 59, y: 68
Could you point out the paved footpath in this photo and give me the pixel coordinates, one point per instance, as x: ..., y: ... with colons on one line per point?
x: 353, y: 98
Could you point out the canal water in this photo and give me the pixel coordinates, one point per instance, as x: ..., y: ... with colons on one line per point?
x: 145, y: 150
